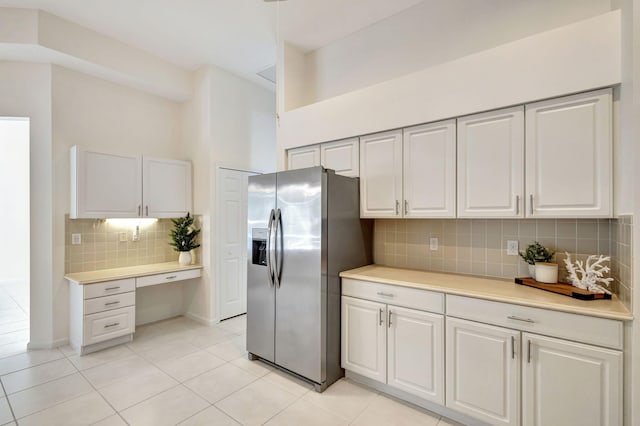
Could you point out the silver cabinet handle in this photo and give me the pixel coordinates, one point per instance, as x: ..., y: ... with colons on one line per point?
x: 406, y: 207
x: 517, y: 205
x: 170, y: 277
x: 397, y: 207
x: 272, y: 216
x: 389, y: 323
x: 531, y: 204
x: 112, y: 303
x: 528, y: 351
x: 112, y: 325
x: 146, y: 209
x: 139, y: 210
x: 381, y: 316
x: 529, y: 320
x: 112, y: 288
x: 381, y: 293
x: 513, y: 347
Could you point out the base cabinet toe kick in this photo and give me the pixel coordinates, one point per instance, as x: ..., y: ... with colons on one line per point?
x: 480, y: 361
x: 103, y: 314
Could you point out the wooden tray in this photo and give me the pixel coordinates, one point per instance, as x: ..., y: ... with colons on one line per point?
x: 564, y: 289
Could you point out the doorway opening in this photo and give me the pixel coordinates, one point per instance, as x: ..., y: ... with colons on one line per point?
x: 15, y: 246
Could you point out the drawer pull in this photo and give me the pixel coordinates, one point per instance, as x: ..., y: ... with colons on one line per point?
x: 112, y: 288
x: 513, y: 347
x: 112, y: 303
x: 170, y: 277
x: 528, y: 351
x: 381, y: 316
x: 115, y: 324
x: 530, y: 321
x: 381, y: 293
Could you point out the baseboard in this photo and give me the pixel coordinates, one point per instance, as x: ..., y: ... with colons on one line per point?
x: 201, y: 320
x: 412, y: 399
x: 47, y: 345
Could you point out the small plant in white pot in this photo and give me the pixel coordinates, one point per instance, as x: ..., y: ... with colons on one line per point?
x: 183, y: 238
x: 537, y: 253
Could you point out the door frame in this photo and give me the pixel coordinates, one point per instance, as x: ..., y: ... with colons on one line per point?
x: 217, y: 243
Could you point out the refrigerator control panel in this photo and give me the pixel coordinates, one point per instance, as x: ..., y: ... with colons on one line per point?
x: 259, y: 246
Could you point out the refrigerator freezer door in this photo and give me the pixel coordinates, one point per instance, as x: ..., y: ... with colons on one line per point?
x: 260, y: 291
x: 301, y: 296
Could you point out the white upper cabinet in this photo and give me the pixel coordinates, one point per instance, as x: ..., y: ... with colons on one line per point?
x: 429, y: 169
x: 381, y: 175
x: 342, y: 156
x: 105, y: 185
x: 491, y: 164
x: 116, y: 186
x: 166, y: 188
x: 569, y: 155
x: 301, y: 158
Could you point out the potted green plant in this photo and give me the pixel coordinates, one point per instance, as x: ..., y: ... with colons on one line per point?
x: 183, y: 238
x: 536, y: 253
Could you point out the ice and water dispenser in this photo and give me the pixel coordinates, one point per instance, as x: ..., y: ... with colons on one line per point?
x: 259, y: 246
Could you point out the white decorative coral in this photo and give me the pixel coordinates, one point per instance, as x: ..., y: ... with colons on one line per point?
x: 590, y: 273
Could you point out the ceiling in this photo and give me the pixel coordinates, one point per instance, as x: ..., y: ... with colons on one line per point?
x: 238, y: 35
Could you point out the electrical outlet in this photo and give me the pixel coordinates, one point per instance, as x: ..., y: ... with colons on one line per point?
x: 433, y: 244
x: 123, y: 237
x: 512, y: 247
x: 76, y: 239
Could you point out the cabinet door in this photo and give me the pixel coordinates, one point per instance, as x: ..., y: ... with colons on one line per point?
x: 491, y: 164
x: 569, y: 144
x: 301, y: 158
x: 104, y: 185
x: 364, y: 338
x: 430, y: 170
x: 167, y: 188
x: 567, y: 383
x: 483, y: 371
x: 416, y: 352
x: 381, y: 175
x: 342, y: 156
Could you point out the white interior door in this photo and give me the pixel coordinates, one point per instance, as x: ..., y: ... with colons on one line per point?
x: 231, y: 236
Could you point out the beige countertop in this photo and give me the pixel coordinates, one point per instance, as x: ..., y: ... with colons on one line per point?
x: 102, y: 275
x: 498, y: 290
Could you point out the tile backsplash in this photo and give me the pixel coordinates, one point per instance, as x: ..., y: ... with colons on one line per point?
x: 101, y: 247
x: 478, y: 246
x: 622, y: 257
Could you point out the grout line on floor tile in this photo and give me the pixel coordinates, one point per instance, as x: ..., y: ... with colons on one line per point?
x: 8, y: 402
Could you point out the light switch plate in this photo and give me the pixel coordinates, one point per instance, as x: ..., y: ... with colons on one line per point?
x: 76, y: 239
x: 433, y: 244
x: 512, y: 247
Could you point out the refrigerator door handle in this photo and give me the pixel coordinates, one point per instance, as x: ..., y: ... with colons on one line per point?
x: 278, y: 248
x: 269, y: 251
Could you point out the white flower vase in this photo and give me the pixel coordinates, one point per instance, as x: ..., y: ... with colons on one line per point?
x: 547, y: 272
x: 185, y: 258
x: 532, y: 271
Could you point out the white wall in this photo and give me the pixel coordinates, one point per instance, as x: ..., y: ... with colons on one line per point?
x: 25, y: 91
x: 413, y: 40
x: 229, y: 122
x: 108, y: 117
x: 14, y: 193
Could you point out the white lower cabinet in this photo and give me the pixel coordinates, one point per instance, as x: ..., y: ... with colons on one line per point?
x: 394, y: 345
x: 483, y: 371
x: 568, y: 383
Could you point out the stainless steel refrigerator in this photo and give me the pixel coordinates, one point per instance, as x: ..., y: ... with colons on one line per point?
x: 304, y: 228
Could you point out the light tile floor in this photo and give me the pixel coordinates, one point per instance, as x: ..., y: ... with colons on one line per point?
x: 178, y: 372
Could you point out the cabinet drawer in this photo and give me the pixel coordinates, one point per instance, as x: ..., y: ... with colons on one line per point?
x: 167, y: 278
x: 424, y: 300
x: 108, y: 288
x: 107, y: 303
x: 108, y: 325
x: 581, y: 328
